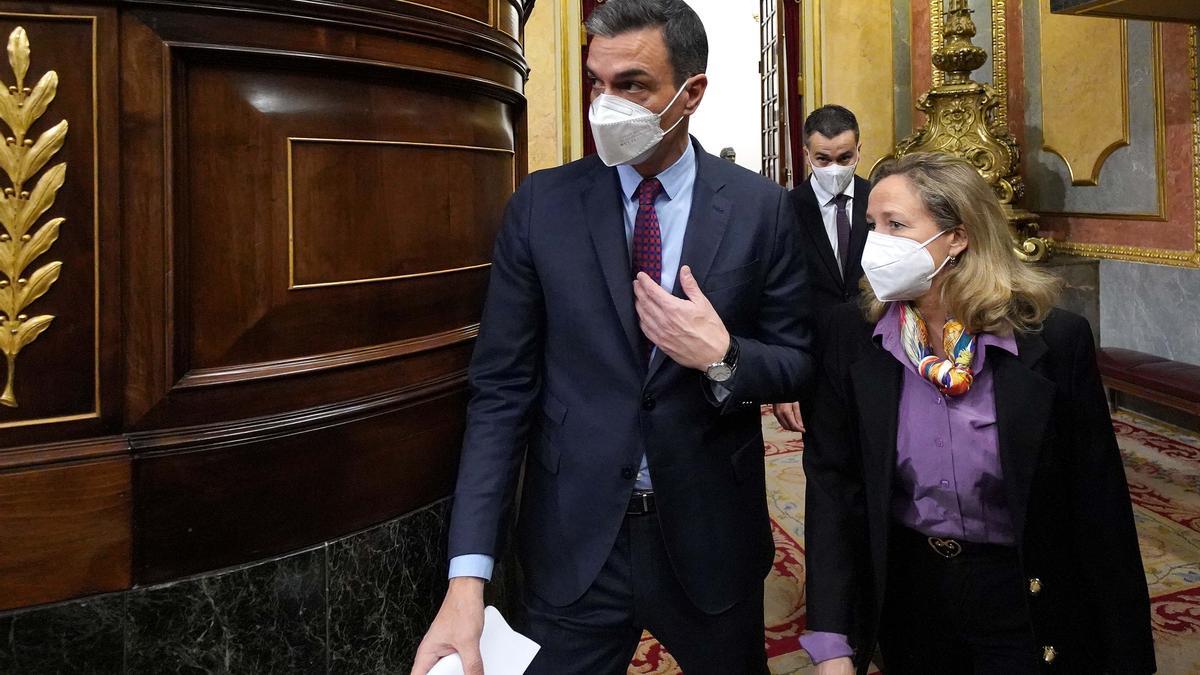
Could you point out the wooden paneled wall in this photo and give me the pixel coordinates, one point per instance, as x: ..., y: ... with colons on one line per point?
x: 278, y: 225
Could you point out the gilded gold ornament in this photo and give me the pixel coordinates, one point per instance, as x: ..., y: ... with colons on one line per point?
x: 966, y: 118
x: 21, y: 240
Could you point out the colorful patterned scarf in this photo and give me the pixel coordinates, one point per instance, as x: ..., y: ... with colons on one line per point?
x: 952, y: 377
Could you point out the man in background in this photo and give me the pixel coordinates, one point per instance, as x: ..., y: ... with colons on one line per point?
x: 831, y: 207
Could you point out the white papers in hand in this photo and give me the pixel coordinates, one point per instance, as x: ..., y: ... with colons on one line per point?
x: 504, y: 650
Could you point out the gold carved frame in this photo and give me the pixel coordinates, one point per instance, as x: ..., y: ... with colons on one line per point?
x: 1174, y: 257
x: 1161, y: 256
x: 96, y: 408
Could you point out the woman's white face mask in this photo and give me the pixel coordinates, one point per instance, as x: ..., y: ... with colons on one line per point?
x: 899, y: 268
x: 625, y: 132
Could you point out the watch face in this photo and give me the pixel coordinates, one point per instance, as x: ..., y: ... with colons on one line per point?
x: 719, y: 372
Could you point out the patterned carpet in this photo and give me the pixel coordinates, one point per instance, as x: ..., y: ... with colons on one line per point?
x: 1162, y: 464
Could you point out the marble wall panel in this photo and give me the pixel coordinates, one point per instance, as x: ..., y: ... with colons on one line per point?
x: 981, y: 14
x: 902, y: 82
x: 1151, y: 308
x: 268, y: 618
x: 355, y: 605
x: 1129, y: 179
x: 856, y: 66
x: 1081, y: 288
x: 385, y: 586
x: 84, y: 637
x: 544, y: 89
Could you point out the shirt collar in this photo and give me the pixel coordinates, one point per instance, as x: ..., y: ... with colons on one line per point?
x: 674, y: 179
x: 887, y: 329
x: 825, y: 197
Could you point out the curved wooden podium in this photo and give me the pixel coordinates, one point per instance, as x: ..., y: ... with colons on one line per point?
x: 276, y: 226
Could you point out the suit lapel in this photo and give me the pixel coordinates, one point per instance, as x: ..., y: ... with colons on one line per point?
x: 606, y: 225
x: 1024, y: 401
x: 705, y: 230
x: 812, y: 222
x: 877, y: 379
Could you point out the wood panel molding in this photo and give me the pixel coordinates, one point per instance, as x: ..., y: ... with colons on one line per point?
x: 63, y: 453
x: 193, y: 411
x: 276, y: 490
x: 404, y: 19
x: 238, y: 354
x: 243, y: 432
x: 311, y: 364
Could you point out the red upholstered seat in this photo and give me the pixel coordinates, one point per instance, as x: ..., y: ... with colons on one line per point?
x: 1161, y: 380
x: 1170, y: 377
x: 1116, y: 359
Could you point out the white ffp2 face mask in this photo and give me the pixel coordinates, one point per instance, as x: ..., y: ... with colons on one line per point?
x: 899, y: 268
x: 625, y: 132
x: 834, y: 178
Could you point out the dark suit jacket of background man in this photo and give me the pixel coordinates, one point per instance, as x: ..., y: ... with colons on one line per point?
x: 828, y: 287
x: 558, y: 370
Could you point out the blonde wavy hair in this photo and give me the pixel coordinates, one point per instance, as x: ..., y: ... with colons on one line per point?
x: 990, y: 290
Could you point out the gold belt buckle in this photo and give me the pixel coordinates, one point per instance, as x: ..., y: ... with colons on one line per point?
x: 947, y: 548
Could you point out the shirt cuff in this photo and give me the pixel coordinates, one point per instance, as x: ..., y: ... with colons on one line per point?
x: 472, y: 565
x: 825, y: 646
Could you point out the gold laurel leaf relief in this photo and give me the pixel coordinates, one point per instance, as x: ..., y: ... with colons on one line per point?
x: 22, y: 241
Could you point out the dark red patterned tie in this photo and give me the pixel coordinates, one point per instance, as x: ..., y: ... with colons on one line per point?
x: 647, y: 239
x: 843, y: 232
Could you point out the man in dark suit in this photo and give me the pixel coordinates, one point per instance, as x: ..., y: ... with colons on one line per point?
x: 831, y: 207
x: 637, y: 315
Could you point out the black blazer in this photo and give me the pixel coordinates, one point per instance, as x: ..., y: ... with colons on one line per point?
x: 1063, y: 474
x: 558, y: 369
x: 829, y: 287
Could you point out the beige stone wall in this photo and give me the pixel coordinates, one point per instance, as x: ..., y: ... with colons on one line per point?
x: 552, y: 48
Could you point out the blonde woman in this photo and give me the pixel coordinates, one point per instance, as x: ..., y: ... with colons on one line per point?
x: 967, y: 506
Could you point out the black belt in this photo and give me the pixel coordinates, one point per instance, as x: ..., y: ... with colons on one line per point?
x: 641, y: 503
x: 947, y: 547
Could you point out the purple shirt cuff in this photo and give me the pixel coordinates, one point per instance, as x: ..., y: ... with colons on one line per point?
x: 825, y: 646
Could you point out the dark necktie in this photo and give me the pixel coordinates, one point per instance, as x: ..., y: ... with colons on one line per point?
x: 647, y: 239
x: 843, y: 232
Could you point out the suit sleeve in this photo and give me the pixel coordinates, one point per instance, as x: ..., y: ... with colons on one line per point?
x: 1112, y: 578
x: 835, y: 532
x: 505, y: 380
x: 776, y: 363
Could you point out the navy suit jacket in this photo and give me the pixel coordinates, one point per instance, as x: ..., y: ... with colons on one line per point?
x: 557, y: 377
x: 830, y: 287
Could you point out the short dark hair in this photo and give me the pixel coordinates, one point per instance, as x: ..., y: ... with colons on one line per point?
x: 687, y: 42
x: 830, y: 120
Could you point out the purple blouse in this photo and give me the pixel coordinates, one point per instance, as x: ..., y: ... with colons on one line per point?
x: 948, y: 480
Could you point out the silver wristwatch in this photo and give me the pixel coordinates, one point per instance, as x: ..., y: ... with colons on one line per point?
x: 722, y: 370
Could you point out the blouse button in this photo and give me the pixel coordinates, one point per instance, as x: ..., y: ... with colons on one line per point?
x: 938, y: 441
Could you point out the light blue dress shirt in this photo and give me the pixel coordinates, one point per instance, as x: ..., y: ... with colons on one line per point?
x: 674, y: 206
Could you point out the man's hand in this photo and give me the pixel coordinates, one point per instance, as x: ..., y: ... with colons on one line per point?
x: 839, y: 666
x: 689, y: 331
x: 456, y: 628
x: 788, y: 415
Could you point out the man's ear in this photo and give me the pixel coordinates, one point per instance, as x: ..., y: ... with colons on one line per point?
x: 694, y: 91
